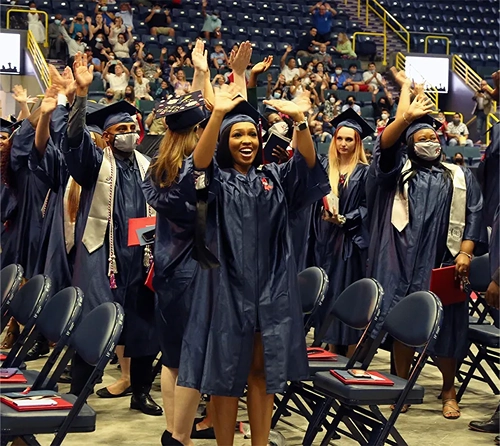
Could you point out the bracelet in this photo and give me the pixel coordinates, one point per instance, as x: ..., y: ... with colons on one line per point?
x: 465, y: 254
x: 342, y: 220
x: 404, y: 118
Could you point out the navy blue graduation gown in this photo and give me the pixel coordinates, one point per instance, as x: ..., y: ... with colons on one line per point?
x: 90, y: 270
x: 255, y: 288
x: 8, y: 203
x: 342, y: 250
x: 489, y: 176
x: 31, y: 194
x: 53, y: 259
x: 175, y: 270
x: 403, y: 261
x: 495, y: 244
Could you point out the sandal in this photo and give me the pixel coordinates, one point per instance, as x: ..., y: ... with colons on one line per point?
x: 453, y: 413
x: 404, y: 409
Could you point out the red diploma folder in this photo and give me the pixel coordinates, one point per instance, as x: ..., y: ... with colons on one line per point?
x: 137, y: 223
x: 320, y: 354
x: 3, y: 357
x: 149, y: 278
x: 60, y: 404
x: 446, y: 287
x: 376, y: 379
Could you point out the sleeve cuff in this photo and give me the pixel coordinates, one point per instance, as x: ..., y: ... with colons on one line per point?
x: 62, y: 99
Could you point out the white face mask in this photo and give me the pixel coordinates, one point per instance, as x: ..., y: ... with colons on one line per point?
x: 338, y: 72
x: 428, y: 150
x: 126, y: 142
x: 384, y: 116
x: 281, y: 127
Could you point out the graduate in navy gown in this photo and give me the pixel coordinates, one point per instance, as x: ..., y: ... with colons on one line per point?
x: 423, y: 214
x: 247, y: 327
x: 341, y: 234
x: 489, y: 175
x: 106, y: 268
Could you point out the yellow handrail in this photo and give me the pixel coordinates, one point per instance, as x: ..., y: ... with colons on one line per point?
x: 489, y: 124
x: 432, y: 94
x: 46, y: 42
x: 384, y: 36
x: 437, y: 37
x: 388, y: 20
x: 38, y: 59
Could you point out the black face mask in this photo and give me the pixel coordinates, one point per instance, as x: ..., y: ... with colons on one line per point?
x: 109, y: 96
x: 350, y: 102
x: 150, y: 59
x: 459, y: 161
x: 128, y: 95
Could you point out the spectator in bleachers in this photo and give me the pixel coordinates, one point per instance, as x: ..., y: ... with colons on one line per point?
x: 441, y: 131
x: 141, y: 84
x: 212, y: 23
x: 121, y: 46
x: 159, y: 21
x: 277, y: 91
x: 35, y: 25
x: 322, y: 55
x: 129, y: 96
x: 458, y: 133
x: 118, y: 81
x: 162, y: 91
x: 56, y: 39
x: 482, y: 108
x: 102, y: 8
x: 458, y: 159
x: 178, y: 81
x: 383, y: 103
x: 350, y: 102
x: 166, y: 64
x: 109, y: 97
x: 338, y: 79
x: 344, y: 47
x: 289, y: 68
x: 100, y: 47
x: 383, y: 121
x: 219, y: 81
x: 156, y: 126
x: 126, y: 14
x: 74, y: 45
x: 219, y: 58
x: 99, y: 27
x: 150, y: 68
x: 323, y: 14
x: 320, y: 73
x: 373, y: 79
x: 355, y: 80
x: 78, y: 25
x: 115, y: 29
x: 306, y: 45
x: 182, y: 57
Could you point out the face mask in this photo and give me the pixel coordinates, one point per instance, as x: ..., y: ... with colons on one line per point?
x: 150, y: 59
x: 78, y: 38
x: 157, y: 11
x: 338, y: 72
x: 110, y: 96
x: 128, y: 95
x: 98, y: 39
x: 352, y: 72
x: 456, y: 121
x: 372, y: 71
x: 459, y: 161
x: 79, y: 19
x: 280, y: 127
x: 126, y: 142
x: 350, y: 102
x: 33, y: 9
x: 384, y: 116
x: 428, y: 150
x: 112, y: 57
x: 104, y: 8
x: 57, y: 22
x: 277, y: 95
x: 332, y: 100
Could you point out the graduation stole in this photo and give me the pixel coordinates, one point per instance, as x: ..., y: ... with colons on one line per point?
x: 101, y: 211
x: 401, y: 215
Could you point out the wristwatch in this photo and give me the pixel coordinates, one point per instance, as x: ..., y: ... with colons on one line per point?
x: 302, y: 125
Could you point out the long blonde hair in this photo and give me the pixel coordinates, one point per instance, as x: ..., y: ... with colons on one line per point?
x: 334, y: 161
x: 174, y: 147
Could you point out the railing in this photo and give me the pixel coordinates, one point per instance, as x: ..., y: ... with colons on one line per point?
x: 447, y: 113
x: 24, y: 11
x: 387, y: 19
x: 432, y: 94
x: 384, y: 37
x: 38, y: 60
x: 491, y: 120
x: 440, y: 38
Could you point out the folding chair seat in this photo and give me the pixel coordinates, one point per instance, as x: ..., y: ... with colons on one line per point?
x: 415, y: 322
x: 305, y: 21
x: 94, y: 341
x: 10, y: 280
x: 260, y: 19
x: 56, y: 322
x: 244, y: 19
x: 264, y: 7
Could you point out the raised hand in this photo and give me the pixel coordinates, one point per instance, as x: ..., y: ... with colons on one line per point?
x: 281, y: 154
x: 20, y: 94
x: 199, y: 56
x: 88, y: 20
x: 420, y: 106
x: 241, y: 59
x: 288, y: 49
x: 263, y: 66
x: 164, y: 51
x: 399, y: 76
x: 287, y: 107
x: 226, y: 98
x: 49, y: 102
x: 83, y: 74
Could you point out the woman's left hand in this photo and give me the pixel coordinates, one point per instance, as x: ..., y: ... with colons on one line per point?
x: 332, y: 217
x: 281, y: 154
x: 287, y: 107
x: 462, y: 265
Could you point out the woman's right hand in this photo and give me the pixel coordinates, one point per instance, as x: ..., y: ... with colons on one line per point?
x: 420, y: 106
x: 226, y: 99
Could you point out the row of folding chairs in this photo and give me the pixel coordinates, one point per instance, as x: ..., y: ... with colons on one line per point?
x: 59, y: 319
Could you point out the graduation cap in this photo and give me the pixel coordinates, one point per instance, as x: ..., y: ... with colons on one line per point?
x: 243, y: 112
x: 182, y: 112
x: 7, y: 126
x: 110, y: 115
x: 351, y: 119
x: 425, y: 122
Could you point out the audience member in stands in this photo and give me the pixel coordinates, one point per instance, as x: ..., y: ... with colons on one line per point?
x: 182, y: 57
x: 306, y: 45
x: 212, y: 23
x: 102, y: 8
x: 129, y: 96
x: 100, y: 47
x: 443, y: 130
x: 99, y: 27
x: 373, y: 79
x: 320, y: 75
x: 118, y: 80
x: 383, y: 121
x: 159, y: 21
x: 78, y: 25
x: 166, y: 64
x: 322, y: 55
x: 56, y: 39
x: 338, y: 79
x: 458, y: 133
x: 350, y: 102
x: 344, y: 47
x: 126, y: 14
x: 458, y: 158
x: 482, y: 108
x: 219, y: 57
x: 383, y: 103
x: 35, y: 25
x: 109, y: 97
x: 156, y: 126
x: 331, y: 105
x: 115, y: 29
x: 162, y: 91
x: 121, y: 46
x: 74, y: 45
x: 149, y: 67
x: 323, y: 14
x: 289, y: 68
x: 178, y: 81
x: 141, y: 84
x: 219, y: 81
x: 355, y: 80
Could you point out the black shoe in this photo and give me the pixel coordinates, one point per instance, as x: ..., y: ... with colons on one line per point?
x: 105, y: 393
x: 65, y: 377
x: 205, y: 434
x: 497, y: 439
x: 114, y: 360
x: 167, y: 440
x: 488, y: 427
x: 145, y: 404
x: 40, y: 348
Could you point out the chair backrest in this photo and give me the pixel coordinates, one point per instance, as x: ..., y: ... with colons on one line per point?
x: 415, y: 320
x: 313, y: 283
x: 30, y: 299
x: 479, y: 275
x: 10, y: 280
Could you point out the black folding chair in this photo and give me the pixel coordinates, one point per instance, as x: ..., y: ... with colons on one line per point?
x: 479, y: 280
x: 94, y: 340
x: 56, y: 322
x: 415, y: 322
x: 358, y: 307
x: 313, y: 284
x: 10, y: 280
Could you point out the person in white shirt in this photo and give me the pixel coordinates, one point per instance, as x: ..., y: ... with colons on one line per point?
x: 75, y: 45
x: 373, y: 79
x: 350, y: 102
x: 289, y: 69
x: 121, y: 47
x: 458, y: 133
x: 117, y: 81
x: 126, y: 14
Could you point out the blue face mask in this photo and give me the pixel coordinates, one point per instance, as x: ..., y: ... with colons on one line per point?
x: 104, y: 8
x: 57, y: 22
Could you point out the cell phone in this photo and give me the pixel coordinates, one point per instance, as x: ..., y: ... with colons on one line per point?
x: 149, y: 236
x: 359, y: 373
